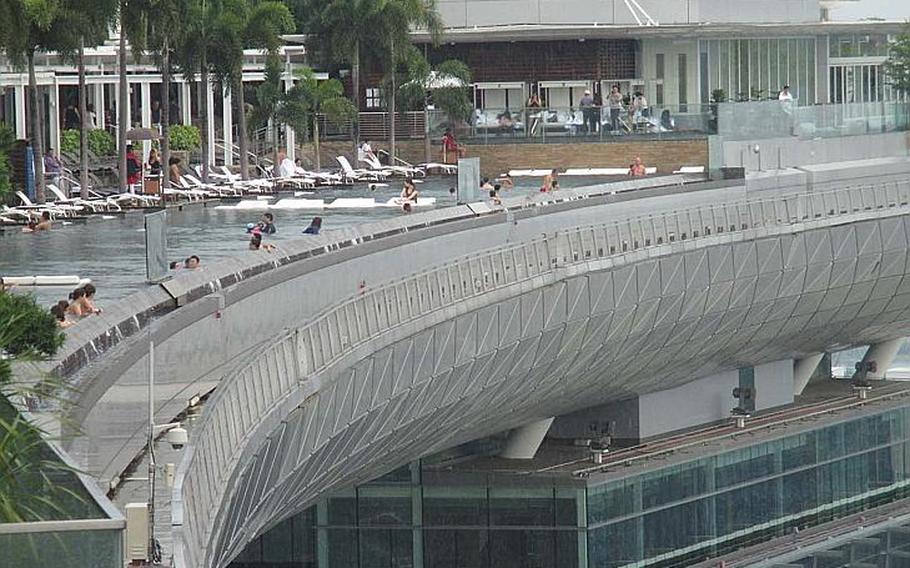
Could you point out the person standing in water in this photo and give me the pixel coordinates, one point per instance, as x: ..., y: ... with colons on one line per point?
x: 550, y: 181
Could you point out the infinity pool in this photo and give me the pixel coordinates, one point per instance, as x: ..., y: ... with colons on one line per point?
x: 111, y: 252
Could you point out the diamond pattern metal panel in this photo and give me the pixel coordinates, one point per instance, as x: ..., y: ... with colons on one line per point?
x: 568, y: 336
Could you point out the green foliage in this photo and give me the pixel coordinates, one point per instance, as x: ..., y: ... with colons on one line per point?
x: 718, y: 96
x: 897, y: 67
x: 35, y: 328
x: 100, y: 142
x: 309, y: 97
x: 446, y: 85
x: 7, y: 137
x: 184, y: 138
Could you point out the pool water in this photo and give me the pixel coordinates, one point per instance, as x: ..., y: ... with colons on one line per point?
x: 111, y: 252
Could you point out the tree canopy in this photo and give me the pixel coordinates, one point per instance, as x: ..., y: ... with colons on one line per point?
x: 897, y: 66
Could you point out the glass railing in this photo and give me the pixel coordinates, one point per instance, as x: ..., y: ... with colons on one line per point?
x: 782, y: 119
x: 594, y: 124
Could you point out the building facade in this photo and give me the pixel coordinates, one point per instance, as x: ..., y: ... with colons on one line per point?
x: 669, y: 510
x: 682, y: 55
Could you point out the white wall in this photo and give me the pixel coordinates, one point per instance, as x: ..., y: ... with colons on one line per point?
x: 671, y: 49
x: 710, y: 399
x: 465, y: 13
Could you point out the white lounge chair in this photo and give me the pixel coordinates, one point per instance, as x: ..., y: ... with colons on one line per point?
x: 690, y: 170
x: 407, y: 171
x: 95, y: 205
x: 54, y: 210
x: 446, y: 169
x: 359, y: 175
x: 254, y: 185
x: 128, y: 198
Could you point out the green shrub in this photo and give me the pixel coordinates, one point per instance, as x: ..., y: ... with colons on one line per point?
x: 100, y: 142
x: 184, y: 138
x: 69, y: 142
x: 4, y: 175
x: 26, y: 327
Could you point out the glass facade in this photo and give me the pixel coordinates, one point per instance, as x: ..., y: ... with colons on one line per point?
x: 668, y: 516
x: 757, y: 69
x: 66, y: 549
x: 855, y: 72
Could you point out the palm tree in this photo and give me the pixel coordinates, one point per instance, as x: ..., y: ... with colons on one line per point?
x: 310, y: 97
x: 194, y: 56
x: 448, y: 82
x: 155, y: 29
x: 257, y: 25
x: 93, y: 21
x: 42, y: 25
x: 338, y: 31
x: 395, y: 19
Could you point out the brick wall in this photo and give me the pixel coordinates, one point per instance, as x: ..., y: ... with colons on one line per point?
x: 666, y: 155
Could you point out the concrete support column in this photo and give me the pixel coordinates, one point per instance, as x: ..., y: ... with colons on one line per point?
x: 290, y: 137
x: 803, y: 369
x: 210, y: 124
x: 883, y: 354
x: 524, y: 441
x: 54, y: 118
x: 20, y: 112
x: 227, y: 123
x: 98, y: 102
x: 186, y: 104
x: 145, y: 102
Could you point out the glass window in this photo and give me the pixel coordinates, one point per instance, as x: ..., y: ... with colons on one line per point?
x: 278, y: 543
x: 673, y: 484
x: 526, y: 507
x: 676, y: 527
x: 343, y: 546
x: 342, y: 511
x: 451, y: 506
x: 616, y: 544
x: 444, y: 548
x: 374, y: 98
x: 522, y: 548
x: 386, y: 548
x: 611, y: 501
x: 384, y: 506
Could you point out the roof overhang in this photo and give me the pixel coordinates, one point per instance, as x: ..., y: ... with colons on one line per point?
x: 553, y: 32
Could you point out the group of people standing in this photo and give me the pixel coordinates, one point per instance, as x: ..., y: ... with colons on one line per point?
x: 80, y: 304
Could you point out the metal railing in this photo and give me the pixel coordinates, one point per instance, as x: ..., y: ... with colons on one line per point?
x: 245, y: 398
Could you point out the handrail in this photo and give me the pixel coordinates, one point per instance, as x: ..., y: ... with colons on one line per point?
x: 339, y: 330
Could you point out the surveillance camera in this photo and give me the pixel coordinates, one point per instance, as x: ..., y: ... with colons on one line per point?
x: 177, y: 437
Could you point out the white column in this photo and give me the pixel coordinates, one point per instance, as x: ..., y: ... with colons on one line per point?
x: 227, y: 123
x: 186, y: 104
x: 98, y: 102
x: 20, y: 112
x: 210, y: 123
x: 523, y: 442
x: 54, y: 117
x: 883, y: 354
x: 803, y: 369
x: 290, y: 137
x: 145, y: 100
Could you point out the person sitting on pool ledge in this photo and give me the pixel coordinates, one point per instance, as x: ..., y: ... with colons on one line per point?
x: 88, y: 300
x: 314, y: 227
x: 409, y: 193
x: 257, y: 244
x: 59, y: 311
